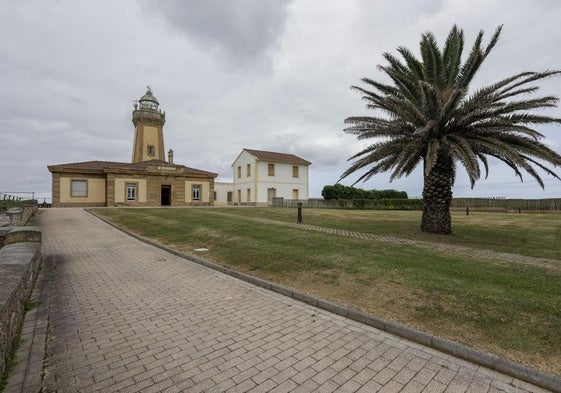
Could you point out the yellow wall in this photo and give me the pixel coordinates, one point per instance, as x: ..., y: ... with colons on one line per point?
x: 205, y: 191
x: 120, y: 193
x: 150, y: 138
x: 96, y: 190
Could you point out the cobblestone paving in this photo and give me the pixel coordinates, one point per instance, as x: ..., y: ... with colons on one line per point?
x: 128, y: 317
x: 440, y: 247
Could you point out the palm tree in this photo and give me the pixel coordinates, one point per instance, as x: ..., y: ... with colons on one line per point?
x: 431, y: 119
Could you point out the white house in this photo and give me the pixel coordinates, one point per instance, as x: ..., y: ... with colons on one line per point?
x: 259, y: 176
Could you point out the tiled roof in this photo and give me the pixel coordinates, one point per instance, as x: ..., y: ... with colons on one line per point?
x: 278, y: 157
x: 102, y: 166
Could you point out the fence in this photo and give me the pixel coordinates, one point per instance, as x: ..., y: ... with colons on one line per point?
x: 552, y: 205
x: 372, y: 204
x: 506, y: 205
x: 10, y: 199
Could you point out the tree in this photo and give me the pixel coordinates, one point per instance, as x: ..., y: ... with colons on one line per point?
x: 430, y: 119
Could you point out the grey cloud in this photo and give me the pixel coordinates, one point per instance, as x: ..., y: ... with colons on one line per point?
x: 69, y: 76
x: 238, y: 30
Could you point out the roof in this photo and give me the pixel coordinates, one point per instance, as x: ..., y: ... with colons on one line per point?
x: 278, y: 157
x: 110, y: 166
x: 149, y: 97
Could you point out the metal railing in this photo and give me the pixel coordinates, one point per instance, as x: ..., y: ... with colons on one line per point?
x: 9, y: 199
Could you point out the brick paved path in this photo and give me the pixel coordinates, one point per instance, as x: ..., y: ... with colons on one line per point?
x: 128, y: 317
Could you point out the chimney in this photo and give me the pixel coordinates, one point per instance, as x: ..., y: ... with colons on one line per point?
x: 170, y: 156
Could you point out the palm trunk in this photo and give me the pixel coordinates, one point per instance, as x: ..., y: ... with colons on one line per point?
x: 437, y: 197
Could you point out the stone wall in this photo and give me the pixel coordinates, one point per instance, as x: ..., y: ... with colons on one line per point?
x: 18, y: 215
x: 20, y: 260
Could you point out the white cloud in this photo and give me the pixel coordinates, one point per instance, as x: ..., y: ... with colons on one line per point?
x: 271, y: 75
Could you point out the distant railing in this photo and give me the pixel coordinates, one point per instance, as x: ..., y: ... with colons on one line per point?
x: 373, y: 204
x: 10, y: 199
x: 504, y: 204
x: 552, y: 205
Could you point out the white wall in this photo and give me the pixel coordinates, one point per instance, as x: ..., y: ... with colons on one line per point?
x: 221, y: 189
x: 283, y: 181
x: 259, y: 182
x: 244, y: 182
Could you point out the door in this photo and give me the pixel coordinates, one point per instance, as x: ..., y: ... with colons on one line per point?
x: 166, y: 195
x: 271, y: 193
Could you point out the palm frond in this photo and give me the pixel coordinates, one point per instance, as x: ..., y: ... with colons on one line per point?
x: 493, y: 41
x: 415, y: 66
x: 430, y: 100
x: 471, y: 65
x: 463, y: 152
x: 452, y: 56
x: 485, y: 162
x: 431, y: 155
x: 432, y: 60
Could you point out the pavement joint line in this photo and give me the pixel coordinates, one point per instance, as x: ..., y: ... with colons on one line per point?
x: 482, y: 358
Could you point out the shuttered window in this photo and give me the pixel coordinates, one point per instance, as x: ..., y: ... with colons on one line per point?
x: 79, y: 188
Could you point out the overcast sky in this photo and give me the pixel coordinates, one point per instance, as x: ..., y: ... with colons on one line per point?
x: 233, y: 74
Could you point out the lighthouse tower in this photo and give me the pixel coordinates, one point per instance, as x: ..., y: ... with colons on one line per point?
x: 148, y: 123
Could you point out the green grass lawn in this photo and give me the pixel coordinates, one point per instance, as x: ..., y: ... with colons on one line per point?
x: 537, y: 235
x: 510, y: 309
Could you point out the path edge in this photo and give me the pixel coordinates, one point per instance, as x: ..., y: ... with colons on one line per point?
x: 482, y: 358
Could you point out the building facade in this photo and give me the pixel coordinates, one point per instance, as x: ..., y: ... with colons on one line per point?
x: 149, y: 180
x: 259, y: 176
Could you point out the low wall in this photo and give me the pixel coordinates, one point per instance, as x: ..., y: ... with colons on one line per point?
x: 17, y: 215
x: 19, y: 265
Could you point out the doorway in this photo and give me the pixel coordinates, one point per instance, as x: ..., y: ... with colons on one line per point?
x: 271, y: 193
x: 166, y: 195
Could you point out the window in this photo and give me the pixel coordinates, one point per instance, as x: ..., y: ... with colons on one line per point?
x: 248, y: 170
x: 239, y: 172
x: 271, y: 169
x: 150, y: 150
x: 249, y: 195
x: 196, y: 193
x: 79, y: 188
x: 295, y: 171
x: 131, y: 192
x: 295, y: 194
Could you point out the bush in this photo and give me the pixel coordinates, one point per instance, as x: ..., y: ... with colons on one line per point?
x: 339, y: 191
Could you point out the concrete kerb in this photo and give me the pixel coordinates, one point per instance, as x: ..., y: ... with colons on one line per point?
x: 485, y: 359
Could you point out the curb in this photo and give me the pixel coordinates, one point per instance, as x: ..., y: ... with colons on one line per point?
x: 485, y: 359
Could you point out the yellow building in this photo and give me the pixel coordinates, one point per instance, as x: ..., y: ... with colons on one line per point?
x: 149, y: 180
